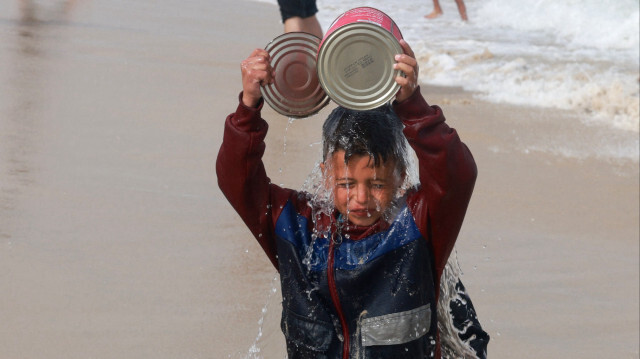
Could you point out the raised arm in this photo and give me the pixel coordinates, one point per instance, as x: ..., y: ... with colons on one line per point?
x: 446, y: 168
x: 239, y: 167
x: 447, y: 174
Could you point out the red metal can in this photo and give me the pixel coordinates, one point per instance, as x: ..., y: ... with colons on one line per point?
x: 356, y: 56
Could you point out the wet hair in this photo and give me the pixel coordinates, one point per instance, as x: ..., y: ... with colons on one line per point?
x: 375, y: 133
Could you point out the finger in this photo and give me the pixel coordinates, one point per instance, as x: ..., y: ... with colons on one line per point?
x: 406, y: 82
x: 262, y: 77
x: 257, y: 68
x: 250, y: 66
x: 406, y: 48
x: 256, y: 61
x: 266, y: 73
x: 406, y: 68
x: 257, y: 56
x: 407, y: 88
x: 258, y: 64
x: 259, y: 52
x: 409, y: 73
x: 406, y: 59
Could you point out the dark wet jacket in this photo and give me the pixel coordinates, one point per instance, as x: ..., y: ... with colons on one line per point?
x: 350, y: 291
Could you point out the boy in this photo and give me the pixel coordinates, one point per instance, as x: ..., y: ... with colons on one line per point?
x: 360, y: 278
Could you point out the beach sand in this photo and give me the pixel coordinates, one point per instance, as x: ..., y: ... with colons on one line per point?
x: 115, y: 241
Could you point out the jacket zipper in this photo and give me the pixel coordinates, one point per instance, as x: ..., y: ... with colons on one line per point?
x: 336, y: 300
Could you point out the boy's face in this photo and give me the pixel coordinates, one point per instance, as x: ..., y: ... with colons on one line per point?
x: 361, y: 191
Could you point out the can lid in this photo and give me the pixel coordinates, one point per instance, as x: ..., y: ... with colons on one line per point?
x: 355, y: 66
x: 295, y: 91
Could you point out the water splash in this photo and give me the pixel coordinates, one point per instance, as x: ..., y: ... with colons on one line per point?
x: 451, y: 343
x: 254, y: 351
x: 284, y: 137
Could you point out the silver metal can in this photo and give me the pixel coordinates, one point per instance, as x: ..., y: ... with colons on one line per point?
x: 356, y: 57
x: 295, y: 91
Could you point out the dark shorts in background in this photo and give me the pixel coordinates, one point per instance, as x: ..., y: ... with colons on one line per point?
x: 301, y: 8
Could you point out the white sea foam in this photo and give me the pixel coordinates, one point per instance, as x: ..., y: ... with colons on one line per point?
x: 575, y: 55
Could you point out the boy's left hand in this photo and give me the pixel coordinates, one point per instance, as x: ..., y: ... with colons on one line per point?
x: 409, y: 66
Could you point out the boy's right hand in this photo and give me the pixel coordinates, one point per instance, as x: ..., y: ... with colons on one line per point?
x: 256, y: 72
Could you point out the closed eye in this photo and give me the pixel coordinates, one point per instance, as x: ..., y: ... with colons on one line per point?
x: 344, y: 184
x: 378, y: 185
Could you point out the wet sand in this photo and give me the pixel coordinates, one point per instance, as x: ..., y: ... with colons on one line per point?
x: 115, y: 241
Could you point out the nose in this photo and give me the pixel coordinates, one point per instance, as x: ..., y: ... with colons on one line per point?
x: 362, y: 194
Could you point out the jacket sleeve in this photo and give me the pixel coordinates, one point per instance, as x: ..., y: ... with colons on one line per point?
x: 243, y: 179
x: 447, y: 175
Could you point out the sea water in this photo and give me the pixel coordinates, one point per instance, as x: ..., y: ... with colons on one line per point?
x: 579, y: 56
